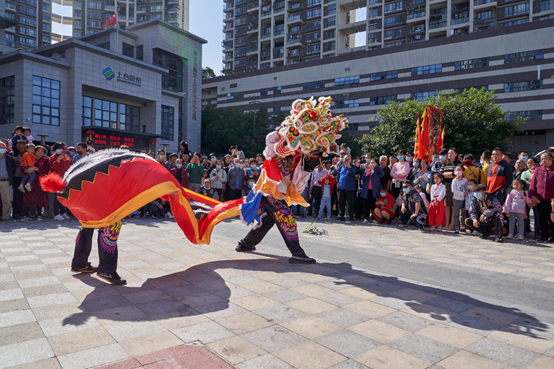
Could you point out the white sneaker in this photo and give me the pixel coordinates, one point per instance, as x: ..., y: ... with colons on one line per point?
x: 475, y: 233
x: 24, y: 219
x: 65, y: 216
x: 510, y: 236
x: 521, y: 238
x: 468, y: 232
x: 28, y: 187
x: 59, y: 217
x: 21, y: 188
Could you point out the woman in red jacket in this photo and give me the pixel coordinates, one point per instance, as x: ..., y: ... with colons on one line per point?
x: 541, y: 192
x: 384, y: 207
x: 59, y: 163
x: 180, y: 173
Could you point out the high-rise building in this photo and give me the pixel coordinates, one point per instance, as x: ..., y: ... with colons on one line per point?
x: 259, y: 34
x: 34, y: 23
x: 89, y: 16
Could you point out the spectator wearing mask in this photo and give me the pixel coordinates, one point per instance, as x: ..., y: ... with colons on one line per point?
x: 447, y: 170
x: 399, y: 172
x: 384, y: 206
x: 499, y: 176
x: 485, y: 213
x: 541, y: 192
x: 459, y: 189
x: 195, y: 172
x: 172, y: 161
x: 250, y: 185
x: 371, y: 184
x: 520, y: 167
x: 235, y: 180
x: 437, y: 216
x: 347, y: 188
x: 218, y: 177
x: 208, y: 191
x: 81, y: 152
x: 413, y: 209
x: 7, y: 171
x: 315, y: 190
x: 422, y: 175
x: 59, y: 163
x: 72, y: 152
x: 180, y: 173
x: 260, y: 160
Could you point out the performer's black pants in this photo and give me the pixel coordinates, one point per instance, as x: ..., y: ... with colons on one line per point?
x: 107, y: 248
x: 276, y: 212
x: 316, y: 196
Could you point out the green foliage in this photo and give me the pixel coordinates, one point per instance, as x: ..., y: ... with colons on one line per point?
x: 222, y: 128
x: 208, y: 73
x: 312, y: 229
x: 473, y: 121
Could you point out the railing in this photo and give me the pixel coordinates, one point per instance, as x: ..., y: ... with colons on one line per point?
x: 265, y: 55
x: 440, y: 24
x: 459, y: 20
x: 482, y: 2
x: 293, y: 41
x: 279, y: 30
x: 296, y: 7
x: 252, y: 48
x: 266, y: 33
x: 373, y: 2
x: 543, y: 6
x: 293, y: 18
x: 489, y: 21
x: 416, y: 15
x: 278, y: 7
x: 278, y: 53
x: 10, y: 5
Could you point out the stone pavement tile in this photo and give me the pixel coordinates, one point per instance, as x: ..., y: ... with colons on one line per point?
x: 288, y: 282
x: 12, y: 318
x: 205, y: 332
x: 262, y: 287
x: 349, y: 364
x: 413, y: 294
x: 80, y: 340
x: 244, y: 323
x: 449, y: 335
x: 342, y: 317
x: 335, y: 284
x: 273, y: 338
x: 280, y: 313
x: 171, y: 322
x: 310, y: 305
x: 105, y: 303
x: 311, y: 327
x: 502, y: 352
x: 124, y: 313
x: 255, y: 302
x: 449, y: 304
x: 424, y: 348
x: 243, y: 280
x: 20, y: 333
x: 8, y: 295
x: 312, y: 278
x: 151, y: 343
x: 389, y: 301
x: 464, y: 360
x: 361, y: 293
x: 199, y: 299
x: 9, y: 285
x: 232, y: 292
x: 158, y: 307
x: 428, y: 312
x: 219, y: 310
x: 498, y: 269
x: 385, y: 357
x: 25, y: 352
x: 236, y: 349
x: 264, y: 361
x: 309, y: 355
x: 153, y: 294
x: 491, y: 315
x: 35, y: 282
x: 522, y: 339
x: 51, y: 363
x: 406, y: 321
x: 338, y: 298
x: 369, y: 309
x: 543, y: 362
x: 285, y: 295
x: 347, y: 343
x: 122, y: 331
x: 93, y: 357
x: 379, y: 331
x: 312, y: 290
x: 53, y: 327
x: 51, y: 289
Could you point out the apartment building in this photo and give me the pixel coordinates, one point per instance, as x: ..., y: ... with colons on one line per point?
x: 260, y: 34
x: 33, y: 23
x: 517, y: 62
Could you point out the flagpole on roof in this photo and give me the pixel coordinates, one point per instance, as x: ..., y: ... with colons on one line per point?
x: 116, y: 31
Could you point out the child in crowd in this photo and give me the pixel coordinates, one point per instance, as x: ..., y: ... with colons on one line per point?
x: 471, y: 184
x: 413, y: 209
x: 437, y: 215
x: 27, y: 133
x: 17, y: 136
x: 515, y: 208
x: 327, y: 184
x: 419, y: 189
x: 459, y: 190
x: 384, y: 206
x: 28, y: 162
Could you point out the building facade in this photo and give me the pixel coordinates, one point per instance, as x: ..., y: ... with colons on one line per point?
x: 34, y: 23
x: 260, y: 34
x: 140, y: 86
x: 516, y: 62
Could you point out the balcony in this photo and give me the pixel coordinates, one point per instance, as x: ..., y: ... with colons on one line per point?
x: 297, y: 18
x: 278, y: 53
x: 266, y: 11
x: 278, y: 30
x: 355, y: 27
x: 543, y: 7
x: 240, y: 63
x: 252, y: 48
x: 227, y: 45
x: 227, y: 57
x: 253, y: 28
x: 265, y: 55
x: 295, y: 8
x: 266, y: 33
x: 308, y: 39
x: 293, y: 41
x: 253, y: 8
x: 310, y: 3
x: 228, y: 5
x: 414, y: 12
x: 278, y: 7
x: 484, y: 24
x: 453, y: 22
x: 436, y: 25
x: 349, y: 5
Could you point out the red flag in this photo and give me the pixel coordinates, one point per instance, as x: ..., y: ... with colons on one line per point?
x: 111, y: 21
x: 416, y: 141
x: 424, y: 141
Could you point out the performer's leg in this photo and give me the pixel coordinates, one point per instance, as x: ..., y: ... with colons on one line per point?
x: 83, y: 247
x: 107, y: 253
x: 256, y: 234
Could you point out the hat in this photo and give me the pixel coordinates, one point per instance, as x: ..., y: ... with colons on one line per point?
x: 207, y: 180
x: 71, y: 148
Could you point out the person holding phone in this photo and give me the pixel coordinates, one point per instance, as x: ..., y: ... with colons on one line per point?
x: 59, y: 162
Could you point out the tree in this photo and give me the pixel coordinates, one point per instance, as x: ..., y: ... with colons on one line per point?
x: 208, y: 73
x: 222, y: 128
x: 473, y: 121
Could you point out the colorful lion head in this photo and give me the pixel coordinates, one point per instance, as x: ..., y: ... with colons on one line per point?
x: 310, y: 127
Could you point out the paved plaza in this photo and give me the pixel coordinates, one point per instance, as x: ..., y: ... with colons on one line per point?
x: 378, y: 297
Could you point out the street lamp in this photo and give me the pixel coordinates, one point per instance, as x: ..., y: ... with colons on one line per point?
x: 254, y: 127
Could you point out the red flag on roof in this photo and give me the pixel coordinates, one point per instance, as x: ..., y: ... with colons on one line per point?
x: 111, y: 21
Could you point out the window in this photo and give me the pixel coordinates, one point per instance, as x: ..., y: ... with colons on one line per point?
x: 393, y: 7
x: 523, y: 86
x: 95, y: 15
x: 87, y: 111
x: 27, y: 10
x: 312, y: 14
x: 46, y: 101
x: 276, y: 90
x: 128, y: 50
x: 140, y: 52
x: 105, y: 45
x: 484, y: 15
x: 27, y: 21
x: 516, y: 10
x: 471, y: 63
x: 424, y: 95
x: 94, y: 24
x: 276, y: 111
x: 382, y: 100
x: 155, y: 8
x: 393, y: 20
x: 27, y: 31
x: 347, y: 80
x: 263, y: 92
x: 330, y: 22
x: 167, y: 122
x: 313, y: 85
x: 391, y: 74
x: 235, y: 95
x: 106, y: 114
x: 529, y: 114
x: 347, y: 104
x: 7, y: 115
x: 524, y: 56
x: 330, y: 9
x: 427, y: 69
x: 391, y: 34
x: 94, y: 5
x: 174, y: 79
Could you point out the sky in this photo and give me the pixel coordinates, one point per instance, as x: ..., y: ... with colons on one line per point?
x: 206, y: 21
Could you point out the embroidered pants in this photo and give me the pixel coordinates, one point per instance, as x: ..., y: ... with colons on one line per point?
x: 276, y: 212
x: 107, y: 248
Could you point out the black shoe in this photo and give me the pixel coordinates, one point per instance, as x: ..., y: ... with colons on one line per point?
x: 499, y: 239
x: 342, y: 219
x: 111, y: 278
x: 485, y: 235
x: 87, y: 269
x: 457, y: 231
x: 301, y: 260
x: 389, y: 222
x: 351, y: 219
x: 422, y: 228
x: 241, y: 248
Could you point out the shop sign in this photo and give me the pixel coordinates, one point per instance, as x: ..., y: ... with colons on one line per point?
x: 127, y: 78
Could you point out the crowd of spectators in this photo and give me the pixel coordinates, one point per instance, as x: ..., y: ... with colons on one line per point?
x: 452, y: 192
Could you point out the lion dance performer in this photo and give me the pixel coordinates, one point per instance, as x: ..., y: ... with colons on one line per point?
x: 291, y: 153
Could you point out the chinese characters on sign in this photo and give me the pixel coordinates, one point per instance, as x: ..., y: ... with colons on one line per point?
x: 129, y: 79
x: 194, y: 84
x: 111, y: 140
